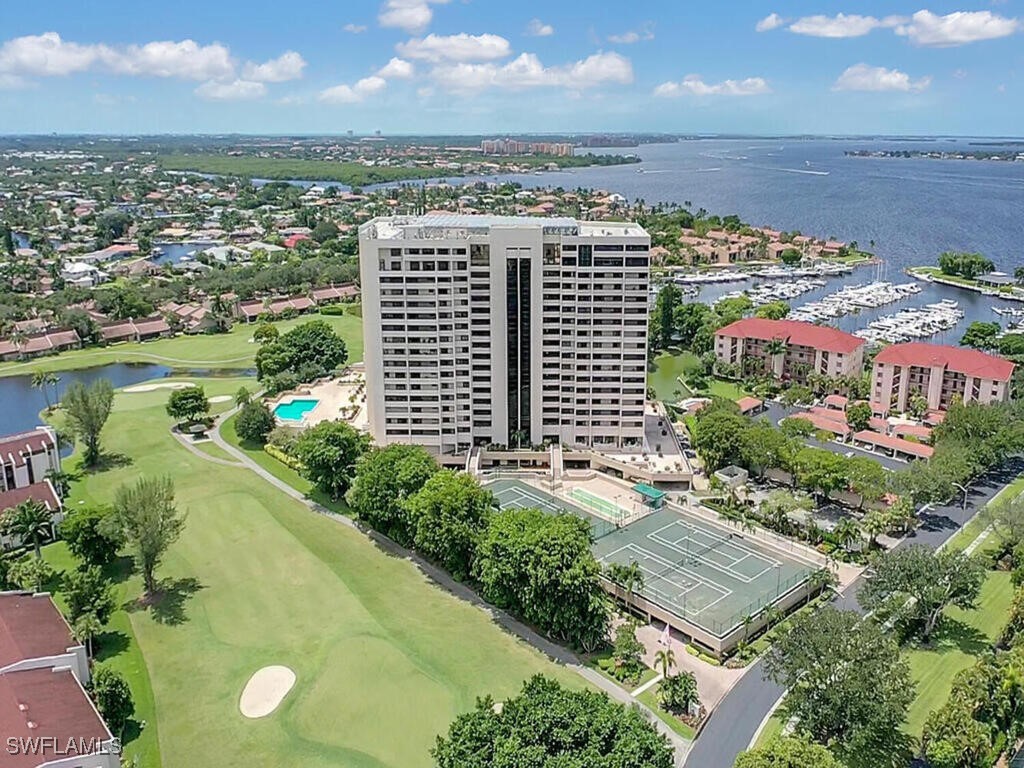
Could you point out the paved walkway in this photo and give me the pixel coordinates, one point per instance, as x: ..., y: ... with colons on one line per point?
x: 440, y: 577
x: 191, y: 446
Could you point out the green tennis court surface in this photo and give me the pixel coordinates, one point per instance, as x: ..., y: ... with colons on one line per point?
x: 709, y: 575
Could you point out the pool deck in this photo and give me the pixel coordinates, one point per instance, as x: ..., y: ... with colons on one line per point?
x: 334, y: 402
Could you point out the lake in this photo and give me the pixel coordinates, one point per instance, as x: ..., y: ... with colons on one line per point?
x: 22, y: 402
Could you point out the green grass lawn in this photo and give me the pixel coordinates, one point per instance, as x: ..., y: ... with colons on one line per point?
x: 966, y: 535
x: 279, y: 470
x: 773, y: 728
x: 228, y: 351
x: 650, y: 698
x: 384, y: 660
x: 963, y: 636
x: 210, y: 448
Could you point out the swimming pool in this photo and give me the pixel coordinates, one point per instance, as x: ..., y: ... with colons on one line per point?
x: 294, y: 410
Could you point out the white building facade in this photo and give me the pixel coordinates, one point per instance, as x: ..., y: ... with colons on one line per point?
x: 494, y: 330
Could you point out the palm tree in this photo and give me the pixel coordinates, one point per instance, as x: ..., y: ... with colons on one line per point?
x: 775, y: 349
x: 53, y: 380
x: 748, y: 620
x: 86, y: 628
x: 772, y: 616
x: 665, y: 659
x: 39, y: 382
x: 31, y: 522
x: 874, y: 525
x: 847, y: 532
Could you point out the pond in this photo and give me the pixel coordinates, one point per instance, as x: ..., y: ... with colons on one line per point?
x: 22, y: 403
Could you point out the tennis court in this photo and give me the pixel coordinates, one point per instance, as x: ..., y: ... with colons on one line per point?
x: 515, y: 494
x: 709, y: 575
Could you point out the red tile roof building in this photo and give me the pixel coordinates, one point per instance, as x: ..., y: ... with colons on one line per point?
x: 809, y: 349
x: 938, y: 374
x: 27, y: 457
x: 47, y: 719
x: 34, y: 634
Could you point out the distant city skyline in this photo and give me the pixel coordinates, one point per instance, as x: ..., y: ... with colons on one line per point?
x: 475, y: 67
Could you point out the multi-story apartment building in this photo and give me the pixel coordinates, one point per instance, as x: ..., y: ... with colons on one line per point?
x: 504, y: 330
x: 789, y: 349
x: 938, y: 374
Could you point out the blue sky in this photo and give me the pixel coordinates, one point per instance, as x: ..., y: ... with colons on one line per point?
x: 482, y: 66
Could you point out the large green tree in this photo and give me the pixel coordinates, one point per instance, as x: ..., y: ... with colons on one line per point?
x: 788, y: 752
x: 87, y: 409
x: 148, y: 520
x: 384, y: 479
x: 88, y: 591
x: 254, y: 422
x: 307, y: 351
x: 541, y: 567
x: 981, y: 335
x: 113, y: 697
x: 329, y: 452
x: 188, y: 404
x: 719, y: 438
x: 847, y: 683
x: 914, y: 585
x: 663, y: 317
x: 88, y: 537
x: 448, y: 515
x: 548, y: 726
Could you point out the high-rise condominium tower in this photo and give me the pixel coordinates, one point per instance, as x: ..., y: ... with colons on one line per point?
x: 504, y: 330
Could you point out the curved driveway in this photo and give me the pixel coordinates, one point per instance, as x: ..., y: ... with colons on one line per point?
x: 734, y: 722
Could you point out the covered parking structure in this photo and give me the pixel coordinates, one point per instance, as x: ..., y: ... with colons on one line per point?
x: 897, y: 446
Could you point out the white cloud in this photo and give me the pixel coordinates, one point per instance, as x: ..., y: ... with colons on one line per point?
x: 960, y: 28
x: 167, y: 58
x: 861, y: 77
x: 537, y: 28
x: 48, y: 55
x: 460, y: 47
x: 693, y: 84
x: 236, y: 90
x: 352, y: 94
x: 410, y: 15
x: 645, y: 32
x: 287, y: 66
x: 527, y: 71
x: 769, y: 22
x: 842, y: 25
x: 355, y: 29
x: 396, y: 69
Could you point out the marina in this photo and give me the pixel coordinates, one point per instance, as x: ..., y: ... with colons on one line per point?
x: 853, y: 299
x: 913, y: 323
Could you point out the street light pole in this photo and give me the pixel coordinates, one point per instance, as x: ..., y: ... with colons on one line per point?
x: 962, y: 488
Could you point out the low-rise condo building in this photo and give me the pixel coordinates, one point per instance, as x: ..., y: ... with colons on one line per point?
x: 789, y: 349
x: 504, y: 330
x: 938, y: 374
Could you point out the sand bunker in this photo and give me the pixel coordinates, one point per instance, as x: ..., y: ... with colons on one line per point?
x: 265, y: 691
x: 220, y: 398
x: 160, y: 385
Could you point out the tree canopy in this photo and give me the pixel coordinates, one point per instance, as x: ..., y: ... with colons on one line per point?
x: 87, y: 409
x: 847, y: 683
x: 188, y: 404
x: 448, y: 516
x: 384, y: 479
x: 914, y: 585
x: 329, y: 452
x: 541, y: 566
x: 786, y: 752
x: 149, y: 522
x: 307, y: 351
x: 548, y: 726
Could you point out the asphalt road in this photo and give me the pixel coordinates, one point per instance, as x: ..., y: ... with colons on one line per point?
x: 736, y: 719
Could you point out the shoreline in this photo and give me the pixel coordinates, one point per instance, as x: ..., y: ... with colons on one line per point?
x: 932, y: 275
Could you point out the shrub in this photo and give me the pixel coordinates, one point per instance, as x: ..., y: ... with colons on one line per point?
x: 289, y: 461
